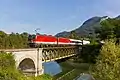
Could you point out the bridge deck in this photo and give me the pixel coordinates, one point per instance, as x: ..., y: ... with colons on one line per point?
x: 30, y: 49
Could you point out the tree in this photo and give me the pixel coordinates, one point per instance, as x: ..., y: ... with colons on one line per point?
x: 8, y: 70
x: 24, y: 36
x: 13, y: 40
x: 110, y: 29
x: 73, y: 35
x: 3, y: 36
x: 107, y: 66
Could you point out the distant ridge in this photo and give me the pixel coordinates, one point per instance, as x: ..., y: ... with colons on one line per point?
x: 87, y: 28
x: 118, y: 17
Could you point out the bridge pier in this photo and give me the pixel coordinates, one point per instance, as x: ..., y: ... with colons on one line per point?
x: 34, y: 56
x: 39, y: 67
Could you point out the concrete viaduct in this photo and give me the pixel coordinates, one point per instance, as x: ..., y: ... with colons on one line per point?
x: 30, y: 60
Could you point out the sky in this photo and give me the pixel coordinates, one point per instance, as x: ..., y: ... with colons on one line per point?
x: 52, y: 16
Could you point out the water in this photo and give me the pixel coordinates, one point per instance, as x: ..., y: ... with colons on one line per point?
x: 52, y: 68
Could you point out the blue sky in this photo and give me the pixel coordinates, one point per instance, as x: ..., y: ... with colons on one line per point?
x: 52, y: 16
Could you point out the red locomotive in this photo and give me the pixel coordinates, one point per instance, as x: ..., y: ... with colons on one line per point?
x: 48, y: 40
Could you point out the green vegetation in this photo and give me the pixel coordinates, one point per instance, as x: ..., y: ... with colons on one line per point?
x: 13, y: 40
x: 71, y: 70
x: 107, y: 66
x: 108, y: 62
x: 110, y: 29
x: 73, y: 35
x: 8, y: 70
x: 66, y: 67
x: 89, y: 53
x: 41, y: 77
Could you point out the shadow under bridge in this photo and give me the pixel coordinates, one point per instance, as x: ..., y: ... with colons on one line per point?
x: 27, y: 66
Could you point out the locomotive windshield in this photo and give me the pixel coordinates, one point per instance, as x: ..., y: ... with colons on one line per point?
x: 30, y: 37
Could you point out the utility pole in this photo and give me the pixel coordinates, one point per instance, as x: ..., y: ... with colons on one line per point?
x: 82, y: 45
x: 37, y: 69
x: 36, y: 30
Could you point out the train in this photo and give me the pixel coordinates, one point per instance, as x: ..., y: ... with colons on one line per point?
x: 49, y: 40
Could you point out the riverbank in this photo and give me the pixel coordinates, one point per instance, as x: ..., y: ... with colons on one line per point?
x: 71, y: 70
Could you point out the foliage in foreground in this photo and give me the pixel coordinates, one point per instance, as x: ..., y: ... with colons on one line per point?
x: 41, y: 77
x: 108, y: 63
x: 8, y: 70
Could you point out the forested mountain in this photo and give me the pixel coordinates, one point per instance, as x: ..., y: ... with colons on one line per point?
x: 13, y: 40
x: 63, y: 34
x: 87, y: 28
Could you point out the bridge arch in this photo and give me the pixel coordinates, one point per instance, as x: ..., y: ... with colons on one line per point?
x: 27, y: 64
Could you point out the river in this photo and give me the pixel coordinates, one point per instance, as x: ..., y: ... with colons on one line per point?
x: 52, y: 68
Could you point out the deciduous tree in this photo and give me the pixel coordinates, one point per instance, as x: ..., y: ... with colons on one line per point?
x: 108, y: 63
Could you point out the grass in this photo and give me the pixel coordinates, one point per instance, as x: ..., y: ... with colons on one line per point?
x: 68, y: 66
x: 40, y: 77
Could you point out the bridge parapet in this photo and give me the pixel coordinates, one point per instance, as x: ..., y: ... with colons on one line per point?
x: 18, y: 50
x: 50, y: 54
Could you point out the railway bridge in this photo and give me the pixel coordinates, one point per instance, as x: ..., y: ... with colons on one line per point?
x: 30, y: 60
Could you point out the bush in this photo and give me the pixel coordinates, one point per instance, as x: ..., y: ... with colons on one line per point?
x: 90, y: 52
x: 41, y: 77
x: 7, y: 59
x: 108, y: 63
x: 8, y: 70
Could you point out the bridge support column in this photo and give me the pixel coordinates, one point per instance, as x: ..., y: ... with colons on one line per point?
x: 39, y: 67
